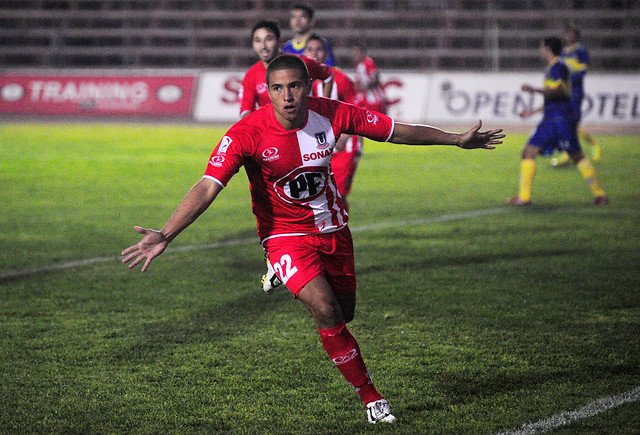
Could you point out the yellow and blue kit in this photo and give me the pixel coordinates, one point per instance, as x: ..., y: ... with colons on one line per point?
x: 576, y: 57
x: 558, y: 128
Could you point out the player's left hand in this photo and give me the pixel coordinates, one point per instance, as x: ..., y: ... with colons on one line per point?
x: 474, y: 138
x: 153, y: 243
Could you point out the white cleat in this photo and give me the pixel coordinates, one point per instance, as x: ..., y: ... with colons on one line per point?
x: 379, y: 412
x: 270, y: 280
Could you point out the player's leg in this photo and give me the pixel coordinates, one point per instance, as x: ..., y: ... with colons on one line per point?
x: 569, y: 135
x: 594, y: 145
x: 337, y: 257
x: 527, y: 174
x: 588, y: 172
x: 347, y: 302
x: 343, y: 349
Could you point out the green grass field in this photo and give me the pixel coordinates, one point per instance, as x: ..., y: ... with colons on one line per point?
x: 472, y: 317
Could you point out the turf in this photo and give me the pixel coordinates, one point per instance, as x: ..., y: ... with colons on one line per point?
x: 469, y: 324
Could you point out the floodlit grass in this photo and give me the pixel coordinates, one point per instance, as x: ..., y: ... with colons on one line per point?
x: 472, y: 325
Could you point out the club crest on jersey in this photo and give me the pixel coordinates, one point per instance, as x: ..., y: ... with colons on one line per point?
x: 216, y: 161
x: 372, y: 118
x: 270, y: 154
x: 321, y: 138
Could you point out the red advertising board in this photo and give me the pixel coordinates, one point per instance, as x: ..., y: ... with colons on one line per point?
x: 97, y: 95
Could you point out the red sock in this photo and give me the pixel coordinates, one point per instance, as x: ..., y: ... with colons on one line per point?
x: 343, y: 349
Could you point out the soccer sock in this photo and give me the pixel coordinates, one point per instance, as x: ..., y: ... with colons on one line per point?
x: 596, y: 150
x: 588, y: 172
x: 527, y: 172
x: 343, y: 349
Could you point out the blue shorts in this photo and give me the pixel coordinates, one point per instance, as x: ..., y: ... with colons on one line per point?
x: 556, y: 133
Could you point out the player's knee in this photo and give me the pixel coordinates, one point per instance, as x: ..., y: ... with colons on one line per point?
x: 530, y: 152
x: 328, y: 313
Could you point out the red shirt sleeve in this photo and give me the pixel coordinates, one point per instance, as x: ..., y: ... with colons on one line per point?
x: 317, y: 70
x: 346, y: 88
x: 356, y: 120
x: 228, y: 156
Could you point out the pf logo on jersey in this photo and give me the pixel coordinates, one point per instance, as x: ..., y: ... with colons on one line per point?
x: 303, y: 184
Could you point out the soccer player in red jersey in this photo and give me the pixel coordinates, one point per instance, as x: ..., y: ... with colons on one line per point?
x: 265, y: 39
x: 367, y: 79
x: 286, y: 149
x: 349, y: 147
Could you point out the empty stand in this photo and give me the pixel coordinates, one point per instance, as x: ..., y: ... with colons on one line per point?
x: 497, y: 35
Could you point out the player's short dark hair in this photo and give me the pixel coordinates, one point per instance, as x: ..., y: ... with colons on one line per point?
x: 288, y: 61
x: 267, y: 24
x: 304, y: 7
x: 554, y: 44
x: 572, y: 27
x: 316, y: 37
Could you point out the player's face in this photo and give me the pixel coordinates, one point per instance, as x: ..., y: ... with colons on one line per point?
x: 288, y: 93
x: 315, y: 49
x: 545, y: 53
x: 265, y: 44
x: 570, y: 37
x: 299, y: 21
x: 357, y: 54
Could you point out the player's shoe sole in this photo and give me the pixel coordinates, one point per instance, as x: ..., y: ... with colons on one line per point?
x: 379, y: 412
x: 270, y: 280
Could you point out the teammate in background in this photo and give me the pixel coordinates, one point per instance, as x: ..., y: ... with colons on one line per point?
x: 265, y: 38
x: 301, y: 219
x: 367, y: 79
x: 301, y: 22
x: 348, y: 150
x: 557, y: 130
x: 576, y: 57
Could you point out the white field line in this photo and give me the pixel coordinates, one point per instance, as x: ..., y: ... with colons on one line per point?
x: 590, y: 410
x: 239, y: 242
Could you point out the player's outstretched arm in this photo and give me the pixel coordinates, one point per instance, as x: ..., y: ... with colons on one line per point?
x: 154, y: 242
x: 416, y: 134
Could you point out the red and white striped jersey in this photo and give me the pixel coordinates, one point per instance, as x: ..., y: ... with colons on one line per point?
x: 292, y: 190
x: 343, y: 87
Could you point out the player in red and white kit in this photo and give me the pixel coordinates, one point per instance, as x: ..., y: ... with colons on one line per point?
x: 286, y: 150
x: 367, y: 79
x: 265, y: 39
x: 349, y: 147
